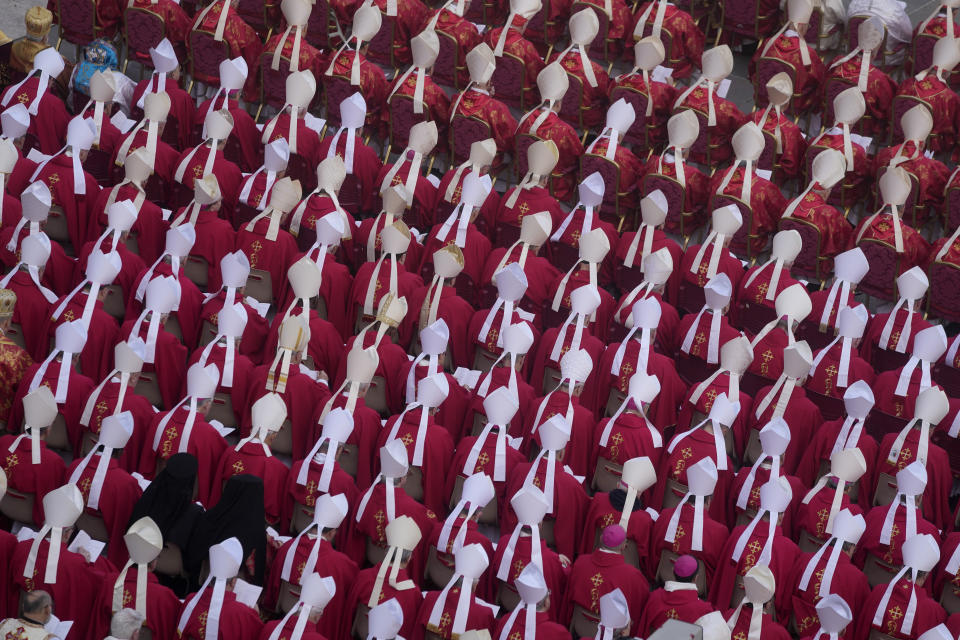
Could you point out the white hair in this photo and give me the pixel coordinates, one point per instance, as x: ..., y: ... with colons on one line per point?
x: 125, y: 623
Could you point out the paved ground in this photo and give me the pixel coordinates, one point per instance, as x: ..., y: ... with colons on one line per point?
x: 11, y: 16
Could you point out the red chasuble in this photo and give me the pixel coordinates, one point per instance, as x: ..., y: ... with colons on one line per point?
x: 568, y: 144
x: 518, y: 46
x: 810, y: 78
x: 96, y: 359
x: 206, y: 445
x: 799, y: 610
x: 244, y: 131
x: 306, y: 494
x: 138, y: 406
x: 766, y: 202
x: 688, y: 452
x: 480, y: 104
x: 699, y: 349
x: 334, y: 290
x: 768, y: 627
x: 815, y: 460
x: 599, y: 573
x: 871, y: 337
x: 801, y: 414
x: 215, y: 239
x: 50, y: 123
x: 119, y: 494
x: 688, y: 40
x: 80, y: 387
x: 675, y: 601
x: 182, y: 109
x: 540, y: 272
x: 14, y: 362
x: 928, y: 615
x: 546, y: 629
x: 162, y: 604
x: 373, y: 82
x: 668, y: 331
x: 325, y: 347
x: 302, y: 396
x: 602, y: 514
x: 452, y: 309
x: 409, y: 21
x: 366, y: 168
x: 728, y: 511
x: 330, y: 562
x: 696, y: 185
x: 579, y: 448
x: 480, y: 617
x: 237, y: 620
x: 57, y: 275
x: 824, y: 380
x: 629, y: 438
x: 485, y: 464
x: 663, y: 410
x: 243, y: 369
x: 729, y: 120
x: 191, y: 301
x: 593, y: 107
x: 310, y: 59
x: 466, y: 36
x: 768, y: 354
x: 240, y: 37
x: 436, y: 103
x: 889, y: 553
x: 813, y: 516
x: 310, y: 632
x: 275, y: 257
x: 148, y: 231
x: 878, y: 96
x: 915, y: 248
x: 570, y: 503
x: 252, y: 459
x: 437, y: 455
x: 855, y: 181
x: 27, y: 478
x: 792, y: 141
x: 254, y: 334
x: 169, y: 364
x: 75, y: 588
x: 227, y: 173
x: 409, y: 599
x: 729, y: 572
x: 545, y: 374
x: 407, y: 283
x: 836, y: 234
x: 714, y: 536
x: 392, y: 360
x: 944, y: 105
x: 728, y: 264
x: 58, y: 176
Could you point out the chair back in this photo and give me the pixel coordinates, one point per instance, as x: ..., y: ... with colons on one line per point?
x: 56, y: 228
x: 809, y: 259
x: 766, y: 68
x: 92, y: 523
x: 440, y: 567
x: 881, y: 279
x: 289, y: 595
x: 673, y: 494
x: 606, y: 478
x: 510, y: 81
x: 922, y: 51
x: 584, y: 623
x: 637, y: 134
x: 877, y: 571
x: 18, y: 506
x: 221, y: 409
x: 205, y: 56
x: 448, y: 67
x: 142, y: 29
x: 302, y: 169
x: 754, y: 317
x: 571, y: 107
x: 743, y: 18
x: 879, y: 424
x: 77, y: 20
x: 464, y: 131
x: 376, y: 397
x: 148, y: 387
x: 678, y: 218
x: 336, y: 89
x: 746, y: 238
x: 600, y: 48
x: 197, y: 271
x: 830, y: 408
x: 402, y: 118
x: 944, y: 292
x: 114, y: 302
x: 768, y: 159
x: 301, y: 519
x: 321, y: 24
x: 260, y: 286
x: 381, y: 49
x: 489, y: 513
x: 609, y: 170
x: 273, y: 84
x: 902, y: 104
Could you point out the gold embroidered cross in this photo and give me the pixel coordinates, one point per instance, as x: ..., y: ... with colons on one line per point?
x: 198, y: 171
x: 518, y: 567
x: 53, y: 178
x: 23, y: 98
x: 102, y: 406
x: 524, y: 207
x: 444, y: 620
x: 237, y: 467
x: 700, y: 339
x: 672, y: 614
x: 761, y: 291
x: 457, y: 193
x: 311, y: 487
x: 69, y: 316
x: 256, y: 246
x: 676, y: 538
x: 766, y: 356
x: 482, y: 459
x: 575, y: 235
x: 127, y: 597
x: 396, y: 180
x: 407, y: 439
x: 12, y: 461
x: 822, y: 516
x: 894, y: 339
x: 828, y: 383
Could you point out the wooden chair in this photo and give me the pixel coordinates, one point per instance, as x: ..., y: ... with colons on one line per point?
x: 204, y: 57
x: 142, y: 29
x: 18, y: 506
x: 489, y: 513
x: 77, y: 20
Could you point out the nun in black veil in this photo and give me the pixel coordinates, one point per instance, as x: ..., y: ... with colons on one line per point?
x: 239, y: 513
x: 170, y: 501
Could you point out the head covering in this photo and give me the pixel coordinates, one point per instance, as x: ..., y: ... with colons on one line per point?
x: 162, y: 297
x: 206, y: 192
x: 916, y: 123
x: 653, y: 210
x: 115, y: 432
x: 366, y: 25
x: 361, y: 366
x: 895, y: 188
x: 448, y: 262
x: 797, y: 359
x: 870, y: 35
x: 70, y: 338
x: 683, y: 129
x: 590, y: 190
x: 646, y: 318
x: 648, y: 54
x: 424, y: 47
x: 532, y: 588
x: 80, y: 137
x: 225, y: 561
x: 231, y: 322
x: 328, y: 513
x: 911, y: 286
x: 144, y: 542
x: 946, y: 55
x: 911, y: 482
x: 433, y: 344
x: 284, y: 196
x: 475, y: 190
x: 520, y: 12
x: 717, y: 64
x: 470, y: 563
x: 637, y: 475
x: 169, y: 498
x: 47, y: 64
x: 500, y: 405
x: 846, y: 466
x: 717, y: 294
x: 851, y: 322
x: 402, y: 535
x: 657, y: 268
x: 920, y: 554
x: 775, y: 497
x: 39, y: 412
x: 798, y: 13
x: 353, y: 114
x: 614, y: 614
x: 385, y: 620
x: 431, y: 393
x: 201, y: 385
x: 337, y: 427
x: 530, y: 506
x: 517, y: 340
x: 847, y: 529
x: 792, y: 304
x: 315, y: 594
x: 701, y: 480
x: 61, y: 507
x: 774, y: 440
x: 858, y: 401
x: 552, y: 82
x: 726, y: 222
x: 276, y: 156
x: 849, y: 268
x: 102, y: 268
x: 511, y: 283
x: 584, y: 27
x: 296, y: 13
x: 722, y: 414
x: 834, y: 614
x: 422, y: 140
x: 234, y: 271
x: 35, y: 203
x: 268, y: 414
x: 394, y: 465
x: 786, y: 247
x: 759, y: 586
x: 641, y: 391
x: 476, y: 494
x: 542, y: 157
x: 827, y: 169
x: 34, y: 253
x: 332, y: 227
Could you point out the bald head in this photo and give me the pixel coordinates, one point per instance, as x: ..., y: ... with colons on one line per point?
x: 36, y: 605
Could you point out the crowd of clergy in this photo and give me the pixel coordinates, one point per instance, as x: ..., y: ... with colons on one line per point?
x: 494, y: 319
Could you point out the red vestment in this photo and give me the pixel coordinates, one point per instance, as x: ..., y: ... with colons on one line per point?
x: 931, y: 174
x: 375, y: 225
x: 663, y: 96
x: 699, y: 349
x: 928, y: 614
x: 546, y: 629
x: 485, y: 464
x: 600, y: 572
x: 784, y: 551
x: 944, y: 105
x: 182, y: 109
x: 824, y: 381
x: 206, y: 445
x: 602, y: 514
x: 792, y: 141
x: 545, y: 374
x: 437, y: 454
x: 729, y: 264
x: 310, y: 58
x: 540, y: 272
x: 594, y: 103
x: 409, y: 599
x: 162, y: 603
x: 472, y: 535
x: 768, y: 354
x: 450, y: 414
x: 138, y: 406
x: 570, y: 503
x: 663, y: 410
x: 407, y: 283
x: 759, y: 285
x: 530, y: 200
x: 688, y: 452
x: 58, y: 176
x: 50, y: 124
x: 564, y: 135
x: 27, y: 478
x: 578, y: 449
x: 808, y: 85
x: 698, y: 411
x: 631, y: 169
x: 729, y: 119
x: 79, y: 389
x: 480, y: 104
x: 275, y: 257
x: 629, y: 438
x: 889, y: 401
x: 119, y: 494
x: 170, y: 361
x: 243, y: 369
x: 675, y: 601
x: 411, y: 17
x: 500, y: 377
x: 237, y: 620
x: 366, y: 168
x: 815, y: 460
x: 769, y: 628
x: 227, y: 173
x: 74, y: 589
x: 436, y: 102
x: 812, y: 517
x: 366, y: 428
x: 330, y: 562
x: 96, y: 359
x: 252, y: 459
x: 889, y: 553
x: 241, y: 39
x: 687, y: 42
x: 452, y: 309
x: 476, y: 249
x: 149, y: 230
x: 308, y: 140
x: 915, y: 247
x: 856, y: 181
x: 187, y: 315
x: 479, y: 617
x: 696, y: 190
x: 254, y: 334
x: 878, y: 96
x: 518, y: 46
x: 14, y: 362
x: 392, y: 360
x: 301, y: 396
x: 874, y: 332
x: 801, y: 414
x: 373, y: 83
x: 848, y: 582
x: 668, y: 331
x: 766, y: 203
x: 424, y: 196
x: 306, y: 494
x: 310, y: 631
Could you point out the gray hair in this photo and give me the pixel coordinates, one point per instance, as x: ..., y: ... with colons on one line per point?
x: 125, y: 623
